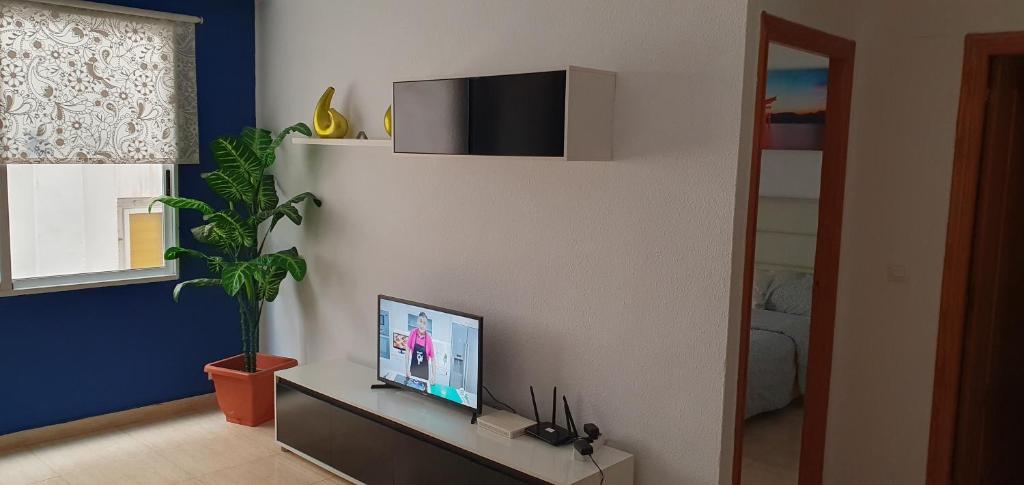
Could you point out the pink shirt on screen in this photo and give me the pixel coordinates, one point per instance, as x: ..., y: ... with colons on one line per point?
x: 424, y: 340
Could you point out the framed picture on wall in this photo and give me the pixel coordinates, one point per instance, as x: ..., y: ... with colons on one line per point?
x: 400, y: 341
x: 795, y: 109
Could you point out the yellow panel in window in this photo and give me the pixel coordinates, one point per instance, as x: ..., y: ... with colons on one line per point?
x: 147, y: 240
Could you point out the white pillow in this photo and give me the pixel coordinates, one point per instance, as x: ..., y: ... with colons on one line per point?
x: 762, y: 285
x: 765, y: 280
x: 792, y: 296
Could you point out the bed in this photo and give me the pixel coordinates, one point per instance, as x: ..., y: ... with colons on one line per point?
x: 780, y: 317
x: 777, y: 362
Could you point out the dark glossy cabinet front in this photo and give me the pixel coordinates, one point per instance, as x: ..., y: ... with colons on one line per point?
x: 302, y: 423
x: 508, y: 115
x: 370, y: 451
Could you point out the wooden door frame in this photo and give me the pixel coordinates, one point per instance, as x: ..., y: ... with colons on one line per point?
x: 978, y: 51
x: 840, y: 53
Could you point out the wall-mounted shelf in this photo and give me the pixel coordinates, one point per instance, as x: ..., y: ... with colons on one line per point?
x: 561, y: 114
x: 341, y: 141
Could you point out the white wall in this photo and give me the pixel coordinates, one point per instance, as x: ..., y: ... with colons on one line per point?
x: 898, y: 181
x: 609, y: 279
x: 782, y: 57
x: 790, y: 173
x: 633, y: 251
x: 64, y: 217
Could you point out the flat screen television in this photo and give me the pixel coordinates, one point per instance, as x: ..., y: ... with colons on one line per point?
x: 430, y: 350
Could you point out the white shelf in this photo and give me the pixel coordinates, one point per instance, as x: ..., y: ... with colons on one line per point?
x: 341, y: 141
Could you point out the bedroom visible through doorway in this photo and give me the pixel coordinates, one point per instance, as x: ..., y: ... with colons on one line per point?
x: 794, y: 223
x: 787, y: 227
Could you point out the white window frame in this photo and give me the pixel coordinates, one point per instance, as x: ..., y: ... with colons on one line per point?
x: 46, y: 284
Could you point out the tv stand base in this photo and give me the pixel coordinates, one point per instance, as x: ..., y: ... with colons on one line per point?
x: 384, y: 386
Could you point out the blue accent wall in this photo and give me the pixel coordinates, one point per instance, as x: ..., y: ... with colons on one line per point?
x: 70, y: 355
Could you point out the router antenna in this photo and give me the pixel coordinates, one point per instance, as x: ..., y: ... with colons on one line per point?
x: 536, y: 415
x: 554, y: 399
x: 571, y: 425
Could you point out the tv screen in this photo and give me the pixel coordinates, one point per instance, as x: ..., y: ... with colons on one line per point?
x: 430, y: 350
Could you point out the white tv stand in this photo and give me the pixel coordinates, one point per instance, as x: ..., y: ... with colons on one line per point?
x: 327, y: 413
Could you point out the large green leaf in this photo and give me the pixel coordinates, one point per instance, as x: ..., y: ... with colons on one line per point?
x: 279, y: 212
x: 233, y: 227
x: 288, y: 259
x: 175, y: 252
x: 296, y: 128
x: 231, y: 185
x: 304, y: 197
x: 270, y: 282
x: 215, y: 264
x: 237, y: 158
x: 266, y: 198
x: 287, y: 209
x: 236, y: 276
x: 213, y: 235
x: 258, y: 140
x: 195, y: 282
x: 183, y: 203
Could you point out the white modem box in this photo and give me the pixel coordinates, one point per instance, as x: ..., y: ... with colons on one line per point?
x: 504, y: 423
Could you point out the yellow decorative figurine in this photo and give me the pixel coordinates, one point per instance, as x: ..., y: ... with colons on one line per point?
x: 387, y: 121
x: 327, y: 121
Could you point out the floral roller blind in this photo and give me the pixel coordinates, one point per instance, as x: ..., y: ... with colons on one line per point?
x: 87, y: 86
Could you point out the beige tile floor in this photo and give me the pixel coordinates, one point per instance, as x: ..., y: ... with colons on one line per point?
x: 771, y: 447
x: 193, y: 449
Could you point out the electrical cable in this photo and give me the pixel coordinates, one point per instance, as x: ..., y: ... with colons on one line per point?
x: 598, y: 468
x: 489, y: 393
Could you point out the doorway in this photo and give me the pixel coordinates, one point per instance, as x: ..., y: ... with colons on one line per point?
x: 798, y: 167
x: 976, y: 430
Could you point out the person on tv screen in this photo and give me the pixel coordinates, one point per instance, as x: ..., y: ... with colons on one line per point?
x: 419, y: 361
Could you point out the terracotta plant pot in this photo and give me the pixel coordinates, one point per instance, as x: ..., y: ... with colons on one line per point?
x: 246, y: 398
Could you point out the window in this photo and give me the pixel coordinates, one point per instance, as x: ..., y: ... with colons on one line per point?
x: 81, y: 224
x: 98, y: 106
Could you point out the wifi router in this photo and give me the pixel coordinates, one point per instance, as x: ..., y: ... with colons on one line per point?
x: 549, y: 431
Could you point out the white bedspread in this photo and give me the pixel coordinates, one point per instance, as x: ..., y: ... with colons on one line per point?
x: 777, y: 363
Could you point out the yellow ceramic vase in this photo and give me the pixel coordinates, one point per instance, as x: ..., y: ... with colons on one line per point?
x: 327, y: 121
x: 387, y: 121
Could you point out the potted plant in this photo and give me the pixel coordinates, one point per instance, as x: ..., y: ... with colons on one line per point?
x: 234, y: 255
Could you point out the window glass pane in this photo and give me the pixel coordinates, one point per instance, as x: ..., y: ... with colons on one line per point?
x: 74, y: 219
